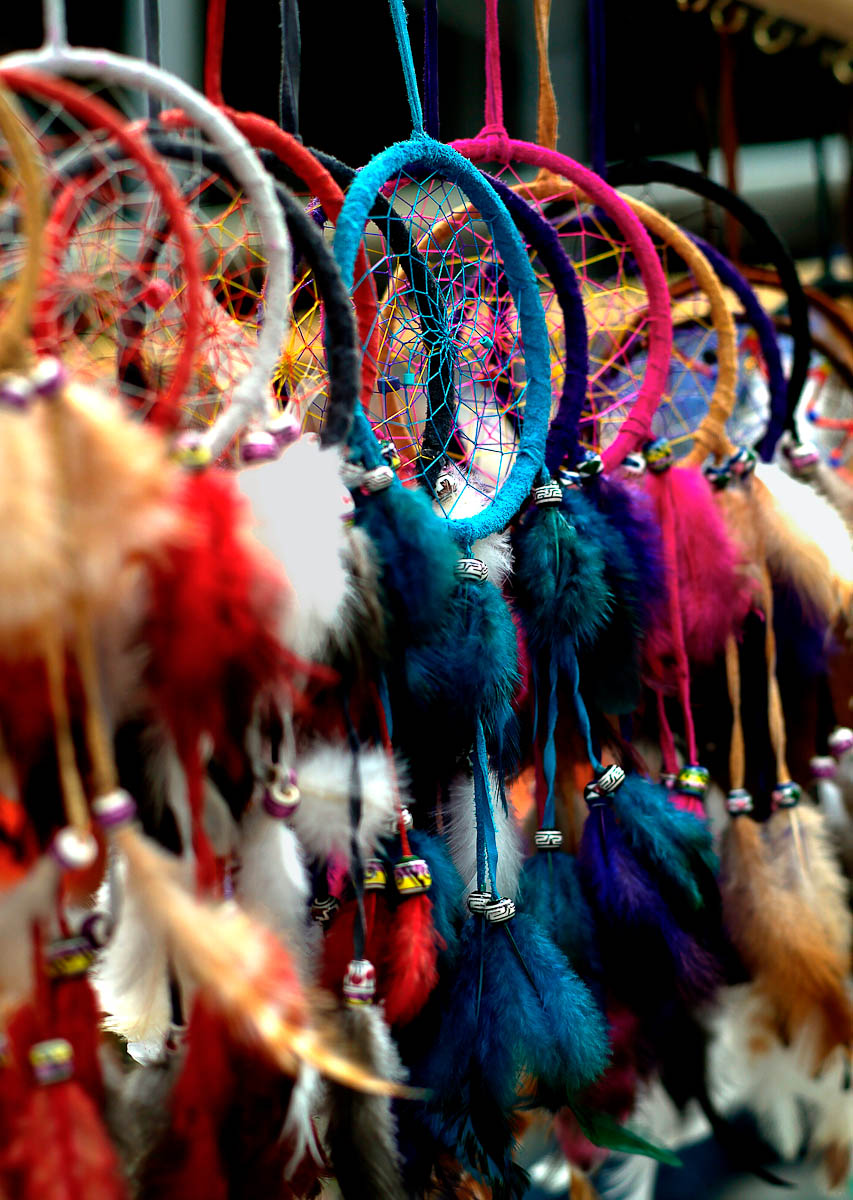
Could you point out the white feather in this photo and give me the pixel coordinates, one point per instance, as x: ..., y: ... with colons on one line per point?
x: 322, y: 821
x: 299, y: 1128
x: 461, y: 836
x: 812, y: 517
x: 299, y: 502
x: 473, y: 492
x: 131, y: 974
x: 272, y: 881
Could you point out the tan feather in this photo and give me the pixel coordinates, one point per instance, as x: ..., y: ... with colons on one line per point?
x: 783, y: 943
x: 240, y: 967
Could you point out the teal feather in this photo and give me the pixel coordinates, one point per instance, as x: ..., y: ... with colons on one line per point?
x: 550, y: 891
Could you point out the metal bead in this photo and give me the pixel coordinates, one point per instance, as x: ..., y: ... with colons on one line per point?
x: 52, y: 1061
x: 471, y: 569
x: 377, y: 479
x: 823, y: 766
x: 478, y: 902
x: 659, y: 455
x: 547, y: 839
x: 375, y: 875
x: 259, y: 446
x: 352, y: 474
x: 611, y: 778
x: 359, y: 982
x: 840, y: 741
x: 69, y: 958
x: 412, y: 876
x: 786, y: 794
x: 323, y: 909
x: 499, y: 911
x: 739, y: 802
x: 74, y: 849
x: 115, y: 809
x: 191, y: 452
x: 16, y: 391
x: 547, y: 493
x: 692, y: 780
x: 445, y: 486
x: 47, y: 377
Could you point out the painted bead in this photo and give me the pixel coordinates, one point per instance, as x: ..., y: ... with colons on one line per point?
x: 840, y: 741
x: 412, y: 876
x: 547, y: 493
x: 281, y: 795
x: 570, y: 480
x: 259, y: 446
x: 658, y: 455
x: 115, y: 809
x: 547, y: 839
x: 390, y: 453
x: 74, y: 849
x: 739, y: 802
x: 591, y: 464
x: 823, y: 766
x: 692, y: 780
x: 52, y: 1061
x: 718, y: 475
x: 69, y: 958
x: 191, y: 452
x: 96, y: 928
x: 323, y: 909
x: 478, y: 902
x: 742, y: 462
x: 786, y: 794
x: 47, y: 377
x: 471, y: 568
x: 500, y: 910
x: 360, y: 982
x: 668, y: 779
x: 445, y: 486
x: 802, y: 457
x: 285, y: 429
x: 375, y: 875
x: 634, y: 465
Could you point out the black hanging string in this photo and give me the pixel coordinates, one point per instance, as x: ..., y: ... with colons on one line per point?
x: 291, y: 53
x: 151, y: 43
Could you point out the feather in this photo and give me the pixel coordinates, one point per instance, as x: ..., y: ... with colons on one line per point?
x: 322, y: 819
x: 446, y: 894
x: 461, y: 837
x: 410, y: 967
x: 299, y: 502
x: 272, y: 882
x: 236, y: 963
x: 137, y: 1111
x: 467, y: 495
x: 468, y: 668
x: 714, y: 597
x: 299, y: 1131
x: 783, y: 943
x: 807, y: 543
x: 837, y: 491
x: 800, y: 847
x: 550, y: 891
x: 630, y: 513
x: 361, y: 1132
x: 27, y: 903
x: 645, y: 949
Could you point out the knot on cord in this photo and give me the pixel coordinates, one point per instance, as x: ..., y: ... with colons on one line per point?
x: 494, y: 143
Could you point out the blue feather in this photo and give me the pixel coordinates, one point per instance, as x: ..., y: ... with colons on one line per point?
x: 447, y: 892
x: 550, y: 891
x: 416, y: 560
x: 629, y: 513
x: 645, y: 948
x: 674, y: 845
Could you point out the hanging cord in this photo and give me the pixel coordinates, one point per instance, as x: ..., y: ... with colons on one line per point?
x: 431, y: 68
x: 546, y: 109
x: 151, y: 46
x: 494, y: 113
x: 407, y: 62
x: 729, y: 137
x: 15, y: 323
x: 737, y: 753
x: 597, y: 86
x: 214, y: 44
x: 289, y: 78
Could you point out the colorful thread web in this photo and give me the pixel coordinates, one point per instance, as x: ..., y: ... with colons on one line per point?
x: 451, y: 383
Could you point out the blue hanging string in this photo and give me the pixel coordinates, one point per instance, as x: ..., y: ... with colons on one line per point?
x: 385, y: 701
x: 431, y: 67
x: 398, y: 16
x: 288, y: 84
x: 487, y: 846
x: 597, y: 87
x: 583, y: 715
x: 549, y: 750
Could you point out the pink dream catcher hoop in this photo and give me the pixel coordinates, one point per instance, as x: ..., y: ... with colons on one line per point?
x: 625, y: 292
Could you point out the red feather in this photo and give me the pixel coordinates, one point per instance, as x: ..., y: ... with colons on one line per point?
x: 338, y: 940
x: 410, y: 970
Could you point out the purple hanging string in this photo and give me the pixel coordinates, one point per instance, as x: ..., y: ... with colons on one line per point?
x: 597, y: 87
x: 431, y: 68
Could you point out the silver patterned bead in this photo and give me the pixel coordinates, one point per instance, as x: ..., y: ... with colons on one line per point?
x: 547, y: 839
x: 500, y: 910
x: 547, y: 493
x: 377, y: 479
x: 471, y: 568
